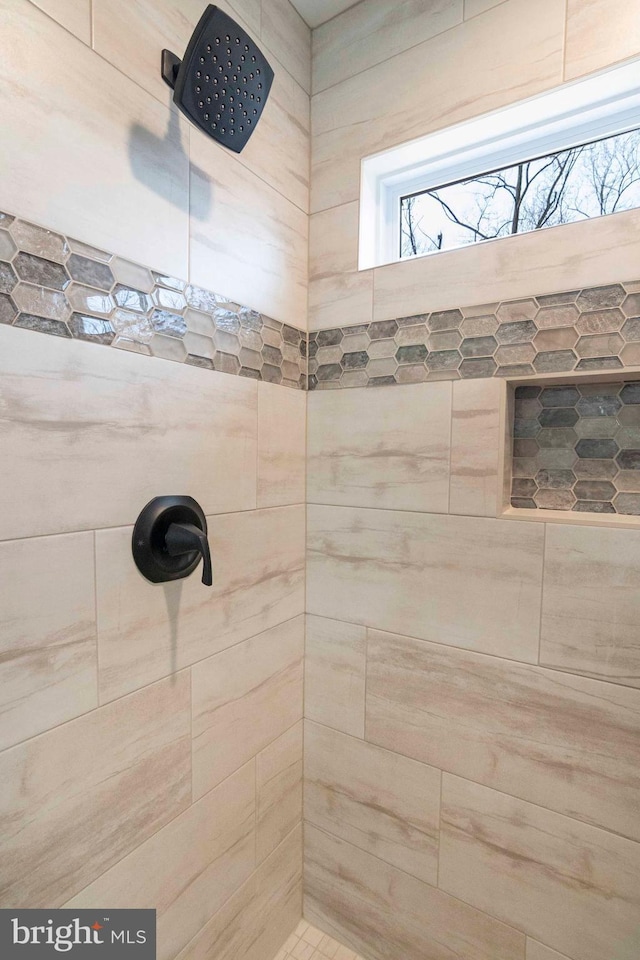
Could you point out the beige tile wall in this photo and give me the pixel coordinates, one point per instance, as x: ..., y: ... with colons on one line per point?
x: 571, y: 885
x: 151, y: 735
x: 387, y: 449
x: 500, y: 656
x: 466, y: 582
x: 117, y: 694
x: 384, y: 912
x: 386, y: 72
x: 131, y: 174
x: 469, y: 770
x: 444, y: 641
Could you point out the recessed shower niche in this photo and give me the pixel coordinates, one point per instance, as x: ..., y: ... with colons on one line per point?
x: 575, y: 446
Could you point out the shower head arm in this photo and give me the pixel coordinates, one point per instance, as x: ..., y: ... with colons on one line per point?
x: 170, y: 67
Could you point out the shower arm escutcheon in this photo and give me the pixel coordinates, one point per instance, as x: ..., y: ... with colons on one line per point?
x: 169, y: 540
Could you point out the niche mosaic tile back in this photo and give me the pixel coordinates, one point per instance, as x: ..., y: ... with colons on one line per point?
x: 59, y: 286
x: 577, y: 447
x: 593, y: 329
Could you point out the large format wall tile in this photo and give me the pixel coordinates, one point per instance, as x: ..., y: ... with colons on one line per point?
x: 278, y: 790
x: 472, y: 583
x: 474, y: 7
x: 146, y: 632
x: 387, y: 105
x: 282, y: 425
x: 187, y: 870
x: 537, y: 951
x: 368, y: 34
x: 90, y: 441
x: 383, y: 803
x: 73, y: 15
x: 339, y: 294
x: 344, y: 297
x: 333, y: 242
x: 381, y: 449
x: 242, y: 228
x: 599, y: 33
x: 77, y: 799
x: 48, y: 655
x: 279, y: 151
x: 476, y: 487
x: 385, y: 913
x: 570, y: 885
x: 334, y: 674
x: 288, y: 36
x: 256, y: 920
x: 591, y: 608
x: 243, y: 699
x: 119, y: 159
x: 578, y: 255
x: 131, y: 35
x: 567, y: 743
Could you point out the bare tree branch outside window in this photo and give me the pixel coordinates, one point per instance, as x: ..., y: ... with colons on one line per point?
x: 577, y: 184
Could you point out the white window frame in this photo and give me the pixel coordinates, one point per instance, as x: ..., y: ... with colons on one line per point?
x: 602, y: 105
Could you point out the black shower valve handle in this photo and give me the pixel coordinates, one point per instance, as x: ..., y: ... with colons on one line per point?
x: 184, y: 538
x: 169, y: 539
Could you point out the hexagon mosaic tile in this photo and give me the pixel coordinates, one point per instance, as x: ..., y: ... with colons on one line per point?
x: 593, y: 329
x: 65, y: 288
x: 577, y: 447
x: 56, y: 285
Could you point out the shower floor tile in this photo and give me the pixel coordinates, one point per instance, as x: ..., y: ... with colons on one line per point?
x: 309, y: 943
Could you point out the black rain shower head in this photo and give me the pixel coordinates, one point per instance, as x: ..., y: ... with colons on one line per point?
x: 223, y: 82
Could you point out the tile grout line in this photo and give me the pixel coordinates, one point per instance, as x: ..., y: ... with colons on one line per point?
x: 97, y: 628
x: 439, y: 831
x: 191, y: 702
x: 255, y: 813
x: 565, y: 33
x: 542, y: 580
x: 366, y: 678
x: 451, y: 416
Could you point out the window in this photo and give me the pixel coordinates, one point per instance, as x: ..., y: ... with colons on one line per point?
x: 567, y: 155
x: 588, y: 181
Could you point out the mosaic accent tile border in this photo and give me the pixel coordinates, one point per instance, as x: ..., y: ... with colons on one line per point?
x: 593, y: 329
x: 62, y: 287
x: 577, y: 447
